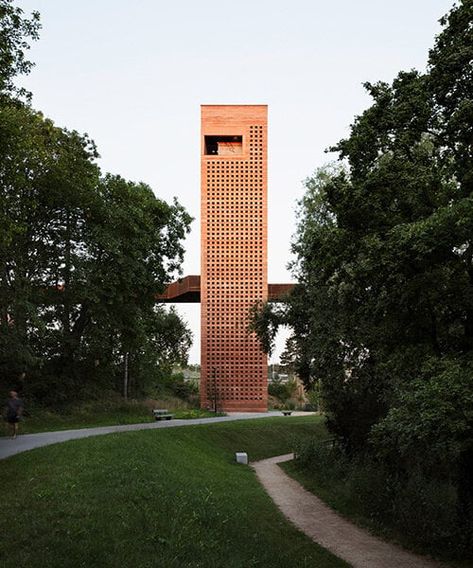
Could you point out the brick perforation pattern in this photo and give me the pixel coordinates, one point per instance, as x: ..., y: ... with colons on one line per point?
x: 234, y: 274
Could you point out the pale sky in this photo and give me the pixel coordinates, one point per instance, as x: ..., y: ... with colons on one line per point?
x: 133, y: 74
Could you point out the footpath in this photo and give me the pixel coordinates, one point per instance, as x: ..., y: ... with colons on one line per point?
x: 324, y: 526
x: 27, y: 442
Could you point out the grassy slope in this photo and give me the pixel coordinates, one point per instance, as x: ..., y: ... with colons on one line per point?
x: 167, y: 498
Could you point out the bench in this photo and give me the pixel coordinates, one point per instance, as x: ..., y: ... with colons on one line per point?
x: 286, y: 412
x: 162, y: 414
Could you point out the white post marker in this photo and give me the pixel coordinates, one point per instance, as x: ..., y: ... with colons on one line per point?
x: 241, y: 457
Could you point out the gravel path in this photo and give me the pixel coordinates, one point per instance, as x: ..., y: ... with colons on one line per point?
x: 27, y: 442
x: 354, y: 545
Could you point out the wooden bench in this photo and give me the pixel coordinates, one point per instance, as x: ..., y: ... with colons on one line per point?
x: 286, y: 412
x: 162, y: 414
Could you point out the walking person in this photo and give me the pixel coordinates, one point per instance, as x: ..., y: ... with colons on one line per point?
x: 14, y: 409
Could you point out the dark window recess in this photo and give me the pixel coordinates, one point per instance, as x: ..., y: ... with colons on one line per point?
x: 223, y: 145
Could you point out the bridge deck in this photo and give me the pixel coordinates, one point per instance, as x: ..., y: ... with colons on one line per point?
x: 187, y: 290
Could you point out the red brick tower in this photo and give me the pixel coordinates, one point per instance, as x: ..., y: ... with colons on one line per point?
x: 233, y: 255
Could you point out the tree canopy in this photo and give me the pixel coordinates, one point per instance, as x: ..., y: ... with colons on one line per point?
x: 382, y: 316
x: 82, y: 254
x: 15, y: 31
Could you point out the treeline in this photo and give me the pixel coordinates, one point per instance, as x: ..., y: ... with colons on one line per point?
x: 82, y: 255
x: 382, y: 317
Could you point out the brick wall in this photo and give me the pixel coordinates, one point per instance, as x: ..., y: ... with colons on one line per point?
x: 233, y: 255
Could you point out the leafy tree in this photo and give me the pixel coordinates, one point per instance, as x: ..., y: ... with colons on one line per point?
x: 166, y: 342
x: 283, y: 390
x: 135, y: 250
x: 383, y: 314
x: 15, y: 30
x: 43, y: 205
x: 82, y: 258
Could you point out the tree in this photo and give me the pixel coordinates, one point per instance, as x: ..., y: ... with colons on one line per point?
x: 43, y: 206
x: 135, y: 250
x: 15, y: 30
x: 82, y: 258
x: 384, y: 258
x: 166, y: 343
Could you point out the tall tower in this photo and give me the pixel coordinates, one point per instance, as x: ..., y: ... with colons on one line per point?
x: 233, y: 254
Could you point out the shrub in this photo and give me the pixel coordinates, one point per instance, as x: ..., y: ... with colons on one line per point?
x: 283, y: 391
x: 324, y: 459
x: 431, y: 423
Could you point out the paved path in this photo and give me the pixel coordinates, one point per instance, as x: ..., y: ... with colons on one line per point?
x: 318, y: 521
x: 26, y: 442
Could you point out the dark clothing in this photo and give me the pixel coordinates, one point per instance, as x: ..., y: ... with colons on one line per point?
x: 12, y: 419
x: 13, y: 410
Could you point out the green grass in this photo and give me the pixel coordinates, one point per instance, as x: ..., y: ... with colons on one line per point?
x: 190, y: 413
x: 157, y: 498
x: 96, y: 413
x: 337, y: 494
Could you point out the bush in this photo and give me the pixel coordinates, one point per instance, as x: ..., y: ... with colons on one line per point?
x: 429, y: 432
x: 176, y: 385
x: 426, y: 510
x: 182, y: 389
x: 324, y: 459
x: 283, y: 391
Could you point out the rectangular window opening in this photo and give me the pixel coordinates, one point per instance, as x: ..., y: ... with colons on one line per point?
x: 223, y: 145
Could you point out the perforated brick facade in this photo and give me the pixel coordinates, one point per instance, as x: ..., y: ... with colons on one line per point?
x: 233, y: 254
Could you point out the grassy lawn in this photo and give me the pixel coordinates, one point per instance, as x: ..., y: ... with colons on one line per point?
x: 159, y: 498
x: 96, y: 414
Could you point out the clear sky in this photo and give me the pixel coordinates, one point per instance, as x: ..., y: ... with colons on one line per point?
x: 133, y: 75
